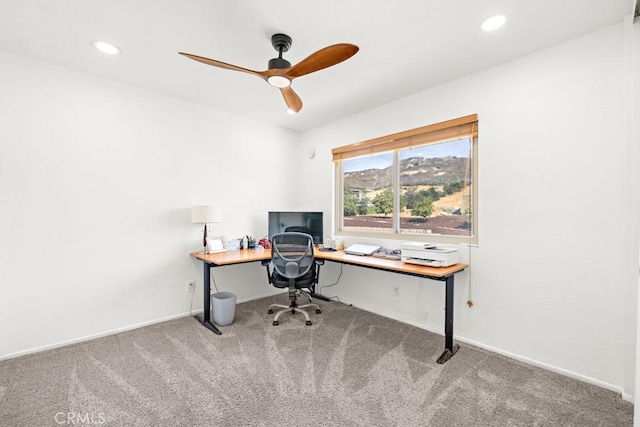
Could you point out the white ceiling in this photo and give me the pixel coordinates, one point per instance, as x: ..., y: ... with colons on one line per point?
x: 405, y: 46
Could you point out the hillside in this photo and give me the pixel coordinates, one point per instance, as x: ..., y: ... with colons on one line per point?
x: 413, y: 171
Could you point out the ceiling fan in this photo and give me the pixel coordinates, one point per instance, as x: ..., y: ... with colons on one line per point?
x: 280, y: 73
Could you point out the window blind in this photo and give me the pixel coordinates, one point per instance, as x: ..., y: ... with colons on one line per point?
x: 461, y: 127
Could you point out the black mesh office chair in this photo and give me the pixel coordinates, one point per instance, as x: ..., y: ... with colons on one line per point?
x: 294, y: 267
x: 297, y: 229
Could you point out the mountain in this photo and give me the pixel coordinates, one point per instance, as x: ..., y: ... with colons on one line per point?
x: 413, y: 171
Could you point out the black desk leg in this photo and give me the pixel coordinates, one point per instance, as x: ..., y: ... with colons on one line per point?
x: 206, y: 320
x: 319, y: 296
x: 313, y: 288
x: 449, y: 348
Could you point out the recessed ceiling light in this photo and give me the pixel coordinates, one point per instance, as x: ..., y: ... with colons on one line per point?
x: 493, y: 22
x: 105, y: 47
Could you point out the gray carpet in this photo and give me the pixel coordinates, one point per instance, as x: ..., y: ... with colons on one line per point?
x: 351, y: 368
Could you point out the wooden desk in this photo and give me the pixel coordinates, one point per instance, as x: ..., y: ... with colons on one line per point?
x: 445, y: 274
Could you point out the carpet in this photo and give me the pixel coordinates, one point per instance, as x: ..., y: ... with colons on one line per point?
x: 350, y: 368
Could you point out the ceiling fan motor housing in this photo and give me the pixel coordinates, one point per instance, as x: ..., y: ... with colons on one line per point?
x: 281, y: 43
x: 279, y: 63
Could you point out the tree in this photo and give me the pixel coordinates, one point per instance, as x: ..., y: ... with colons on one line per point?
x: 432, y: 192
x: 423, y: 207
x: 362, y: 206
x: 384, y: 202
x: 408, y: 197
x: 350, y: 200
x: 453, y: 187
x: 411, y: 196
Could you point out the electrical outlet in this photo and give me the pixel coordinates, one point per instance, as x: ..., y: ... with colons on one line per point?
x: 191, y: 286
x: 396, y: 291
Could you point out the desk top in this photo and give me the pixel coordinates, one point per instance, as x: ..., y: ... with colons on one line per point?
x: 248, y: 255
x: 233, y: 256
x: 390, y: 264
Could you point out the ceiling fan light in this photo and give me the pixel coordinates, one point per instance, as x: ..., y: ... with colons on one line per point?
x: 279, y: 81
x: 105, y: 47
x: 292, y: 112
x: 493, y: 22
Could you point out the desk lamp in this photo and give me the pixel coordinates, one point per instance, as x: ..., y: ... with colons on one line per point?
x: 204, y: 215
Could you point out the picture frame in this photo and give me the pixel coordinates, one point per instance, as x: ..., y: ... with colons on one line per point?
x: 214, y: 245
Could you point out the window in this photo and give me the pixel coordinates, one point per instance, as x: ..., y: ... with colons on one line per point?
x: 415, y: 185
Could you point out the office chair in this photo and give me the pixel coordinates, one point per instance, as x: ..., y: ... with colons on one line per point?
x: 295, y: 268
x: 297, y: 229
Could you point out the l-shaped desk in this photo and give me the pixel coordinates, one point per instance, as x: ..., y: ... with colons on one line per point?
x: 445, y: 274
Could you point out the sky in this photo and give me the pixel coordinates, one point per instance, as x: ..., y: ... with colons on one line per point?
x: 458, y: 148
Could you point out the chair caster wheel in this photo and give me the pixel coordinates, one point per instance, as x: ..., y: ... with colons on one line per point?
x: 309, y: 323
x: 270, y: 311
x: 276, y: 323
x: 318, y: 311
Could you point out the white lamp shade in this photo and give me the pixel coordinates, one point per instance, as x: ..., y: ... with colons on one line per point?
x: 205, y: 214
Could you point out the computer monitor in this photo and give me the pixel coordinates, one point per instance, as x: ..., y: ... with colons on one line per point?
x: 305, y: 222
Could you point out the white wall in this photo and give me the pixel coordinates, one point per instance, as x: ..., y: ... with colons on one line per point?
x: 633, y: 88
x: 97, y: 181
x: 549, y: 279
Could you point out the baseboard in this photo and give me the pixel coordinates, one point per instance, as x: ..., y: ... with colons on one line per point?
x: 122, y: 329
x: 268, y: 294
x: 547, y: 366
x: 529, y: 361
x: 391, y: 315
x: 95, y: 336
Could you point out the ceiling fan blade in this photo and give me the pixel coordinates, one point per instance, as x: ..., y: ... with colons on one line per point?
x: 221, y: 64
x: 323, y: 58
x: 292, y: 99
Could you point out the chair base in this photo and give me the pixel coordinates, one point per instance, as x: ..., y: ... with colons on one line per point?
x: 294, y: 309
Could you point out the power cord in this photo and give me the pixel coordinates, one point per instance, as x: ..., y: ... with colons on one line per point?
x: 333, y: 284
x: 213, y: 280
x: 474, y: 225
